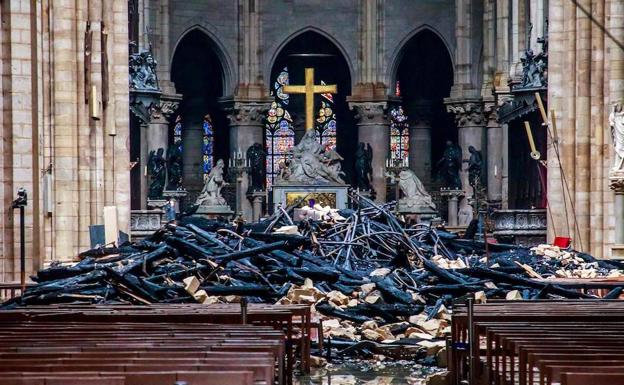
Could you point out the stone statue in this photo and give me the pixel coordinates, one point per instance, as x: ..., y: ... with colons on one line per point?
x: 156, y: 167
x: 363, y: 166
x: 142, y: 71
x: 413, y: 190
x: 211, y: 193
x: 311, y: 164
x: 534, y: 67
x: 616, y: 121
x: 465, y: 214
x: 174, y: 167
x: 449, y: 166
x: 475, y: 166
x: 257, y: 166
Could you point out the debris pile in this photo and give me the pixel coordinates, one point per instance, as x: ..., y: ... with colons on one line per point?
x: 379, y: 286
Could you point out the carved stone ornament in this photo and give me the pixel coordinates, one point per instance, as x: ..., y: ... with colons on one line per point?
x: 616, y: 181
x: 246, y: 113
x: 142, y: 72
x: 467, y: 113
x: 373, y: 112
x: 163, y: 110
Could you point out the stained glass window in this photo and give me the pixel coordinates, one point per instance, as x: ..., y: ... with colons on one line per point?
x: 399, y: 134
x: 279, y: 134
x: 177, y: 133
x: 207, y: 146
x: 326, y: 122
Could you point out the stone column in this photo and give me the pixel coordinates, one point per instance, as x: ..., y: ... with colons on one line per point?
x: 374, y: 128
x: 246, y: 128
x: 495, y: 153
x: 192, y: 137
x: 156, y: 134
x: 419, y: 119
x: 471, y: 131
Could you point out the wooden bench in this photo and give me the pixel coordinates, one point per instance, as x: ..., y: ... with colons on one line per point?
x: 524, y: 342
x: 161, y: 340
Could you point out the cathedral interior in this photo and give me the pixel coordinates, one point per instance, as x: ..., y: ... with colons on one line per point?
x: 365, y: 163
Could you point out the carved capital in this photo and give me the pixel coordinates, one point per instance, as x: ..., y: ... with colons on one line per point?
x: 616, y: 181
x: 163, y: 111
x: 246, y: 113
x: 370, y: 112
x: 490, y: 112
x: 467, y: 112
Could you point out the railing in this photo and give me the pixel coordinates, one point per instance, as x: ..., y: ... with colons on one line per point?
x: 10, y: 290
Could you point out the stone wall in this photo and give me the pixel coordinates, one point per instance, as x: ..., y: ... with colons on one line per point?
x: 47, y: 128
x: 586, y: 70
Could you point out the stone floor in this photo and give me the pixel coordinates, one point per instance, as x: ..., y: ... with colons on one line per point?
x: 368, y: 373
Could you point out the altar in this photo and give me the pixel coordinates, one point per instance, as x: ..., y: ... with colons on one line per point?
x: 332, y: 195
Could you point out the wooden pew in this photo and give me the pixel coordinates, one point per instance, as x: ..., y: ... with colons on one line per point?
x: 155, y: 340
x: 522, y: 342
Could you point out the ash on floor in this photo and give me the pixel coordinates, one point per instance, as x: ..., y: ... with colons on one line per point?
x: 368, y: 373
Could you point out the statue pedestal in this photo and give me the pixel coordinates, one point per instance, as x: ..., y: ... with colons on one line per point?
x: 256, y: 198
x: 453, y: 205
x: 156, y: 204
x: 214, y: 212
x: 616, y: 183
x: 334, y: 196
x: 414, y: 212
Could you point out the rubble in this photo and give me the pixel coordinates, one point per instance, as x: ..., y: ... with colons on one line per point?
x: 379, y: 286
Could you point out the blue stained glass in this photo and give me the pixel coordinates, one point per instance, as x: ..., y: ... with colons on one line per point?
x: 207, y: 146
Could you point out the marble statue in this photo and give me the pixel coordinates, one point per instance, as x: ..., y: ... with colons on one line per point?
x: 534, y: 67
x: 142, y: 71
x: 616, y: 121
x: 465, y: 214
x: 257, y: 166
x: 363, y: 166
x: 449, y: 166
x: 211, y: 193
x: 414, y: 191
x: 312, y: 164
x: 157, y: 170
x: 475, y: 166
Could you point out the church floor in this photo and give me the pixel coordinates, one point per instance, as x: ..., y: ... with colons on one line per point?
x: 368, y: 373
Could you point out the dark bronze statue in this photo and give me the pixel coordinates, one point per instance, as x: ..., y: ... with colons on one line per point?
x: 257, y: 166
x: 157, y: 171
x: 450, y: 165
x: 363, y: 166
x: 475, y: 167
x: 174, y: 167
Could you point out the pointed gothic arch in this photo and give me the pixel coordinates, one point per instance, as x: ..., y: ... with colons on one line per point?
x: 199, y: 75
x: 333, y: 119
x: 422, y: 75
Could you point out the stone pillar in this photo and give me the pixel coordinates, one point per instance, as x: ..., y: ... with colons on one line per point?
x: 495, y: 153
x: 192, y: 137
x: 246, y: 128
x: 256, y: 198
x: 419, y: 119
x: 374, y: 128
x: 471, y: 131
x: 156, y: 135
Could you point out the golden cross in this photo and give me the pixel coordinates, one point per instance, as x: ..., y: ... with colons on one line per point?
x: 309, y: 89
